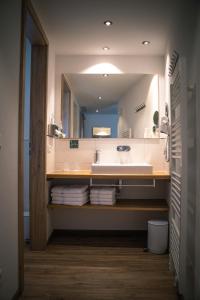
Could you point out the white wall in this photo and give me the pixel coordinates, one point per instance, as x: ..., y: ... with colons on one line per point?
x: 194, y: 82
x: 148, y: 150
x: 143, y: 91
x: 181, y: 38
x: 10, y: 22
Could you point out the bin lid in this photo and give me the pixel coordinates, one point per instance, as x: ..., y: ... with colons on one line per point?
x: 158, y: 222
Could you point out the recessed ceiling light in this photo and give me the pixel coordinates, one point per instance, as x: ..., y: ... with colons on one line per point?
x: 106, y: 48
x: 99, y: 97
x: 108, y: 23
x: 97, y: 110
x: 105, y: 75
x: 146, y: 43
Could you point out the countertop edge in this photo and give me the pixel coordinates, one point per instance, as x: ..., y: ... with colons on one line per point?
x: 89, y: 174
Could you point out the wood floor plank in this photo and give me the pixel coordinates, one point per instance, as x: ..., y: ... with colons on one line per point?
x: 75, y: 272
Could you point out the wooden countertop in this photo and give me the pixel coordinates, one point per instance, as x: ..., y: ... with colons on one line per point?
x: 88, y: 174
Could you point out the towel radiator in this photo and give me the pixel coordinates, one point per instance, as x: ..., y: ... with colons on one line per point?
x: 178, y: 188
x: 176, y: 163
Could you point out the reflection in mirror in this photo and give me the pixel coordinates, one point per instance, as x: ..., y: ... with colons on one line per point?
x: 124, y: 103
x: 65, y: 106
x: 76, y: 125
x: 103, y: 132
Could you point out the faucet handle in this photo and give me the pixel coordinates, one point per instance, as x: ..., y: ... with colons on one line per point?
x: 123, y: 148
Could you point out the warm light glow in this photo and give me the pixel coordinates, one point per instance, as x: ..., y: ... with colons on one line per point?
x: 108, y: 23
x: 103, y: 68
x: 146, y: 43
x: 106, y: 48
x: 99, y: 97
x: 101, y: 131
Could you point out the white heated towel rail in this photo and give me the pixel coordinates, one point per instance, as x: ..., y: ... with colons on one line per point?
x: 176, y: 166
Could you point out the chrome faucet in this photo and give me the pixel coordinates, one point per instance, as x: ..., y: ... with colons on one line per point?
x: 123, y: 148
x: 97, y: 156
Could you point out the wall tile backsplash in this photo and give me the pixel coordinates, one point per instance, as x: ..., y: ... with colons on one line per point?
x: 142, y: 150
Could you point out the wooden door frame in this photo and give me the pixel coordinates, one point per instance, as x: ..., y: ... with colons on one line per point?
x: 31, y: 29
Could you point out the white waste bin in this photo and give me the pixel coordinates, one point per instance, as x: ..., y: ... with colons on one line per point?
x: 157, y: 236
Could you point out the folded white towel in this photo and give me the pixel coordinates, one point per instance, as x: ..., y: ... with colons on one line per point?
x: 102, y: 202
x: 69, y: 188
x: 71, y: 195
x: 102, y: 191
x: 62, y: 198
x: 102, y: 197
x: 79, y: 203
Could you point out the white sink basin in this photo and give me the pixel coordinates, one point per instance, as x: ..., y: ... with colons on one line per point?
x: 117, y: 168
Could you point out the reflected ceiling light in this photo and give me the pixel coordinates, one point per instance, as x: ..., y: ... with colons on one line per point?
x: 108, y: 23
x: 99, y: 97
x: 97, y: 110
x: 106, y: 48
x: 146, y: 43
x: 102, y: 68
x: 105, y: 75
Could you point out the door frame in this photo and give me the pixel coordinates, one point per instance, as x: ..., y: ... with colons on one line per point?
x: 31, y: 28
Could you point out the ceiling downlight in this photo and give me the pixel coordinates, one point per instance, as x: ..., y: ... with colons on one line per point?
x: 145, y: 43
x: 108, y: 23
x: 106, y: 48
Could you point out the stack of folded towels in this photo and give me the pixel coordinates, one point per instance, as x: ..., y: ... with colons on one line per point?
x: 70, y: 194
x: 103, y: 196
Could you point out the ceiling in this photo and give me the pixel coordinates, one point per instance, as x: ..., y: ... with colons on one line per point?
x: 88, y: 87
x: 77, y: 26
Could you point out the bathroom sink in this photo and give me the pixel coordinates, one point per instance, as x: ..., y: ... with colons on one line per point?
x: 117, y: 168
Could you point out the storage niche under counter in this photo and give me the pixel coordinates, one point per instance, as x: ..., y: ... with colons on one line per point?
x: 138, y: 199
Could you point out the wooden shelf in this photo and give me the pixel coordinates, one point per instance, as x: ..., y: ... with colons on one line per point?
x: 140, y: 205
x: 87, y: 174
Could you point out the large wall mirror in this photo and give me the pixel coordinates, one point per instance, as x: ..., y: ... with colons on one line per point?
x: 112, y: 106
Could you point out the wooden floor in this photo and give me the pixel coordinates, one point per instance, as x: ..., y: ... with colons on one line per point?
x: 97, y: 268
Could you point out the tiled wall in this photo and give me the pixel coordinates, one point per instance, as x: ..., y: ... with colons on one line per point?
x: 142, y: 150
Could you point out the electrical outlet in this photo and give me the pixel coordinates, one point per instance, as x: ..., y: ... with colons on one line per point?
x: 74, y: 144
